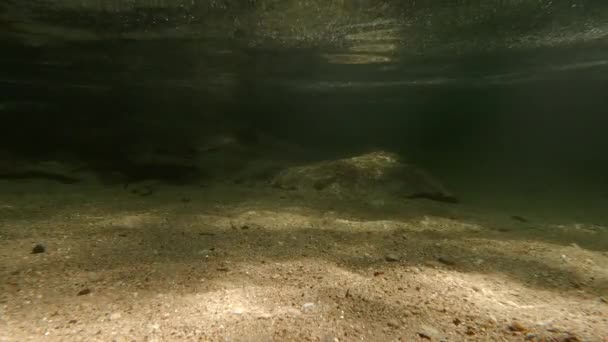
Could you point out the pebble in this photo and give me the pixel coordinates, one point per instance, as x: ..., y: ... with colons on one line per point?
x: 391, y: 257
x: 115, y: 316
x: 516, y: 326
x: 39, y: 248
x: 393, y: 324
x: 308, y: 307
x: 84, y: 292
x: 428, y: 333
x: 237, y: 311
x: 446, y: 261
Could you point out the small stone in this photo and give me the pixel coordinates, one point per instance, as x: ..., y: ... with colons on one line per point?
x: 446, y: 261
x: 84, y: 292
x: 308, y: 307
x: 115, y: 316
x: 237, y: 311
x: 456, y: 321
x: 39, y: 248
x: 530, y: 337
x: 428, y: 332
x: 518, y: 327
x: 393, y: 324
x: 391, y: 257
x: 575, y: 245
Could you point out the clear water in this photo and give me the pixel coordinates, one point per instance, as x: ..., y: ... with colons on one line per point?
x: 516, y: 114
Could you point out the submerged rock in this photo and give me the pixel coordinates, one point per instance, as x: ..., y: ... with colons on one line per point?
x: 391, y: 257
x: 373, y: 173
x: 12, y: 167
x: 39, y: 248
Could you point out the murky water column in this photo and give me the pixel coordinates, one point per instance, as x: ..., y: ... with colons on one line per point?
x: 496, y: 90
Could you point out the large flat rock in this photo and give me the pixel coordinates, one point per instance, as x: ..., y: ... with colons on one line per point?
x: 379, y: 173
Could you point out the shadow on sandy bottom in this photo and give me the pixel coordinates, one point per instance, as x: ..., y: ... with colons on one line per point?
x: 207, y: 238
x: 258, y: 261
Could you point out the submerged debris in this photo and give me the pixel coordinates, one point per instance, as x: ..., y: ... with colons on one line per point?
x: 39, y: 248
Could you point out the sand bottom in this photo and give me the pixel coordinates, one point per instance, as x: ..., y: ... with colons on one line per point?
x: 227, y: 262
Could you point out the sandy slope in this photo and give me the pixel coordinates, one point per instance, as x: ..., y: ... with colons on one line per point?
x: 227, y: 262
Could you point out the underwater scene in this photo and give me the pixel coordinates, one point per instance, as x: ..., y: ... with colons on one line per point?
x: 303, y: 170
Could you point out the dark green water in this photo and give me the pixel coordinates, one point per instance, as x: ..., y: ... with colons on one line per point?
x: 527, y: 121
